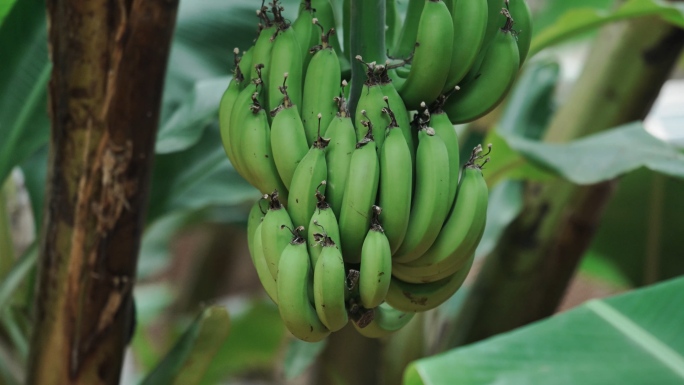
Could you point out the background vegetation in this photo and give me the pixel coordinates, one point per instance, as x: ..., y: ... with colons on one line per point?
x: 581, y: 182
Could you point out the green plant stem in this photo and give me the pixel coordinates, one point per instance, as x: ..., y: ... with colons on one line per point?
x: 105, y: 95
x: 368, y: 40
x: 526, y: 276
x: 349, y: 358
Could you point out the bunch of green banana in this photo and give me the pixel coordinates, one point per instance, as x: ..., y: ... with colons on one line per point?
x: 367, y: 219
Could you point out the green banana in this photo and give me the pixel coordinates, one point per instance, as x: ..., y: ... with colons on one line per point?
x: 396, y: 182
x: 261, y: 53
x: 329, y: 285
x: 288, y: 141
x: 294, y: 276
x: 370, y: 107
x: 386, y: 320
x: 323, y: 221
x: 256, y: 214
x: 321, y: 85
x: 360, y: 192
x: 376, y: 264
x: 469, y: 18
x: 409, y: 32
x: 309, y: 173
x: 255, y: 151
x: 240, y: 113
x: 339, y: 152
x: 494, y: 20
x: 432, y: 57
x: 418, y: 297
x: 226, y: 107
x: 429, y: 208
x: 245, y: 66
x: 401, y: 114
x: 306, y: 31
x: 261, y: 266
x: 393, y: 23
x: 285, y: 58
x: 460, y: 234
x: 326, y: 16
x: 273, y: 235
x: 496, y: 75
x: 520, y: 12
x: 445, y: 130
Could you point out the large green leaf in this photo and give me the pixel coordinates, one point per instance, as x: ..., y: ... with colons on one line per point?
x: 253, y: 345
x: 634, y: 338
x: 579, y: 20
x: 24, y: 73
x: 188, y: 360
x: 605, y: 155
x: 197, y: 177
x: 186, y: 124
x: 300, y: 355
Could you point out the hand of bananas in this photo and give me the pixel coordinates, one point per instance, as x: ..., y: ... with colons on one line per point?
x: 364, y: 217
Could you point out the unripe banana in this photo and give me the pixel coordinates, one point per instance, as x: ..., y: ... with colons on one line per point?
x: 321, y: 85
x: 496, y: 75
x: 226, y: 107
x: 412, y: 297
x: 267, y: 280
x: 294, y: 276
x: 432, y: 57
x: 288, y: 141
x: 409, y: 32
x: 246, y: 66
x: 307, y: 33
x: 401, y: 114
x: 255, y: 152
x: 285, y: 58
x: 241, y: 112
x: 396, y: 183
x: 376, y: 265
x: 261, y: 53
x: 326, y: 16
x: 360, y: 193
x: 330, y: 285
x: 494, y: 20
x: 338, y: 154
x: 385, y: 321
x: 371, y: 102
x: 307, y: 176
x: 274, y: 233
x: 429, y: 208
x: 445, y: 130
x: 460, y: 234
x: 322, y: 221
x: 520, y: 12
x: 256, y: 214
x: 469, y: 18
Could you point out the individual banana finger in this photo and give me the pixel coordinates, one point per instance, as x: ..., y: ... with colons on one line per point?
x: 261, y: 266
x: 288, y: 141
x: 323, y: 221
x: 360, y: 193
x: 274, y: 234
x: 339, y: 153
x: 429, y: 207
x: 307, y: 176
x: 412, y: 297
x: 385, y: 320
x: 329, y: 285
x: 376, y: 264
x: 294, y: 276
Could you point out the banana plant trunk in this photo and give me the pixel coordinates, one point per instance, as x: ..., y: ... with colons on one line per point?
x: 526, y: 275
x: 109, y: 60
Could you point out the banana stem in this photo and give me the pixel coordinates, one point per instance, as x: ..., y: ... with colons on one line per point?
x: 367, y: 34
